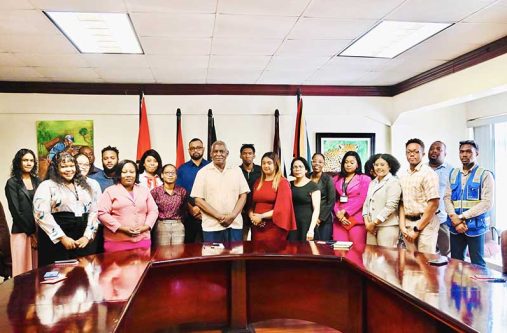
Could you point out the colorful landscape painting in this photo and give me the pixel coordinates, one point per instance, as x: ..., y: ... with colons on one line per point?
x: 54, y: 136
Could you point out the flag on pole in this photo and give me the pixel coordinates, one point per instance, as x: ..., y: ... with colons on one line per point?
x: 212, y: 134
x: 143, y: 139
x: 277, y: 147
x: 180, y: 155
x: 276, y: 141
x: 301, y: 141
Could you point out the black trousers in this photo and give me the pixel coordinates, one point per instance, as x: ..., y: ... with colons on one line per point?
x: 97, y: 244
x: 193, y: 230
x: 324, y: 232
x: 73, y: 227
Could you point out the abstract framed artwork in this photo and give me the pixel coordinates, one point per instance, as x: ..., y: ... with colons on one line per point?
x: 334, y: 145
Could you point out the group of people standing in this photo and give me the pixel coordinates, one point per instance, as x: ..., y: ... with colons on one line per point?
x: 80, y: 209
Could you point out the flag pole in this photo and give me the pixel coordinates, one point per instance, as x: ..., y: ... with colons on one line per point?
x: 210, y: 129
x: 180, y: 155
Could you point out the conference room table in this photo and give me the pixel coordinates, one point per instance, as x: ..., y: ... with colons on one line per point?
x: 231, y: 286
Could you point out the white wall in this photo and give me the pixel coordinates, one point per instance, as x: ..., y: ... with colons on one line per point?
x: 447, y: 125
x: 487, y: 107
x: 485, y: 79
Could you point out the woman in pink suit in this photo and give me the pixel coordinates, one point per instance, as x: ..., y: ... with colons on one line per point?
x: 127, y: 211
x: 351, y: 189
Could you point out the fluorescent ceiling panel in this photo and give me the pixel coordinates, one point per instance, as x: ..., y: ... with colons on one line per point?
x: 98, y: 32
x: 390, y: 38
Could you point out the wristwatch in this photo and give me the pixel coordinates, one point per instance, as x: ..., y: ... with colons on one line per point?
x: 416, y: 229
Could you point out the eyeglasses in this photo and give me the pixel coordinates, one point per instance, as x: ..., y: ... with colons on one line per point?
x: 84, y: 165
x: 195, y: 148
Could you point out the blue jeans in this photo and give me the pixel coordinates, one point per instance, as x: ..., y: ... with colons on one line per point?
x: 227, y: 235
x: 475, y: 245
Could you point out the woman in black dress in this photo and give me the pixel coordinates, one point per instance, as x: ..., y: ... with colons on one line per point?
x: 324, y: 230
x: 306, y: 201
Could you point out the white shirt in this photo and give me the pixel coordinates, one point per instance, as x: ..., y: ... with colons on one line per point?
x: 221, y: 190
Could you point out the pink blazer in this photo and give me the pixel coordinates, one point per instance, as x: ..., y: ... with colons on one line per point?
x: 356, y: 192
x: 117, y: 208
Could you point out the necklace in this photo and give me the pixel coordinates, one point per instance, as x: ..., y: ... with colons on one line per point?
x: 73, y: 189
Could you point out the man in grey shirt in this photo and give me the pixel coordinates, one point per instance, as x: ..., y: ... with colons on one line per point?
x: 436, y: 157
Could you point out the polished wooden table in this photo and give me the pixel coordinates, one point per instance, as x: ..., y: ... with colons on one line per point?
x: 200, y: 286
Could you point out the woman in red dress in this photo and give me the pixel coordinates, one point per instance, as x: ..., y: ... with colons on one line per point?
x: 272, y: 214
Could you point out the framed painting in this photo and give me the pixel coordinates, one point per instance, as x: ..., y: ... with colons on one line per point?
x: 334, y: 145
x: 54, y: 136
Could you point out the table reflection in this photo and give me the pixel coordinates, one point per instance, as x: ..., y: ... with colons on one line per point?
x: 74, y: 304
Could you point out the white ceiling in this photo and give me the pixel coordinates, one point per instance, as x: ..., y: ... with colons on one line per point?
x: 242, y: 41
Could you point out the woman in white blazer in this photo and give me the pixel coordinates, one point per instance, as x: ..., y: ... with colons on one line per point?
x: 380, y: 209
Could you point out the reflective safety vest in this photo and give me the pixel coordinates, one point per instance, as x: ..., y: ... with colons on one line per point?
x: 466, y: 197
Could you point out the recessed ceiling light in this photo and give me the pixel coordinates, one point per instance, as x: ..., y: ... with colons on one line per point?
x: 98, y: 32
x: 390, y: 38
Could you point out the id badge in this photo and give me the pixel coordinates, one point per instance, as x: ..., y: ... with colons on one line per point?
x: 78, y: 209
x: 344, y: 199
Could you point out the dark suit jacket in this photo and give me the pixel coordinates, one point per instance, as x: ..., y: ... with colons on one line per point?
x: 5, y: 246
x: 20, y: 205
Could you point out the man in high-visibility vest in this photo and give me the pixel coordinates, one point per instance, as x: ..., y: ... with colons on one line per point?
x: 468, y: 200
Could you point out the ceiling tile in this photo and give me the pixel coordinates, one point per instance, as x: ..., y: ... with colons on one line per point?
x: 263, y: 7
x: 238, y: 46
x: 222, y: 75
x: 329, y: 28
x: 337, y: 76
x: 231, y: 26
x: 410, y: 65
x: 313, y: 47
x: 171, y: 46
x: 382, y: 78
x: 496, y: 13
x: 437, y: 10
x: 116, y: 60
x: 165, y: 61
x: 125, y: 75
x: 474, y: 33
x: 45, y: 44
x: 63, y: 74
x: 19, y: 74
x: 280, y: 63
x: 440, y: 48
x: 81, y: 6
x: 8, y: 59
x: 351, y: 9
x: 284, y: 76
x: 246, y: 62
x: 173, y: 25
x: 179, y: 75
x: 357, y: 63
x: 15, y: 22
x: 15, y: 4
x: 53, y: 60
x: 172, y: 6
